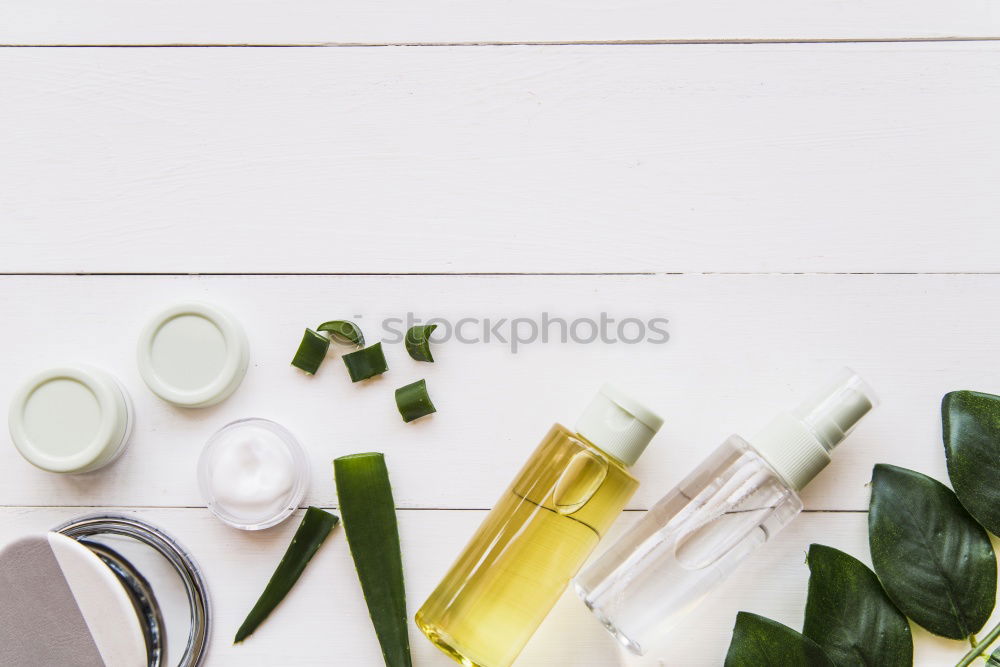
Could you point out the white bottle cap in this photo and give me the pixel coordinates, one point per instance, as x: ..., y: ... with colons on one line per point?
x: 193, y: 355
x: 797, y: 444
x: 70, y: 419
x: 619, y: 425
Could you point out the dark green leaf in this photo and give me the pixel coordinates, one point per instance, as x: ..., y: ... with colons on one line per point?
x: 343, y: 332
x: 849, y: 614
x: 935, y: 562
x: 366, y: 363
x: 761, y: 642
x: 413, y: 401
x: 971, y: 425
x: 312, y: 531
x: 994, y: 660
x: 311, y: 352
x: 370, y: 525
x: 418, y: 340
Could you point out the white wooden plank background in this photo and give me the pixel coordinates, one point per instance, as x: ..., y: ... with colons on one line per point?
x: 812, y: 159
x: 749, y: 157
x: 400, y: 21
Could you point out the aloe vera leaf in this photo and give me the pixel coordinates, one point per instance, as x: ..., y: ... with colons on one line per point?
x: 418, y: 340
x: 413, y: 401
x: 369, y: 512
x: 311, y: 352
x: 309, y: 536
x: 365, y: 363
x: 343, y: 331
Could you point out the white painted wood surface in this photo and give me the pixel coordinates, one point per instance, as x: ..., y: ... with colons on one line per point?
x: 721, y: 162
x: 399, y: 21
x: 749, y: 157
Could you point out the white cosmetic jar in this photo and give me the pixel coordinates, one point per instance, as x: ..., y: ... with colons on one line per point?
x: 253, y: 474
x: 71, y: 419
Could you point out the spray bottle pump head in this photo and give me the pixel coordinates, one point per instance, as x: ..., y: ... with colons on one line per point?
x: 833, y: 411
x: 797, y: 444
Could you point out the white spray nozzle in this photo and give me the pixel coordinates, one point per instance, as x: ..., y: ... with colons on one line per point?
x: 833, y: 412
x: 797, y: 444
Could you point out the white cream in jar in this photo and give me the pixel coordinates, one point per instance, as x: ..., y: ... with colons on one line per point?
x: 252, y: 474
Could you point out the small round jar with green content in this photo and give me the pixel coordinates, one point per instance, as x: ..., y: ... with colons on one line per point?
x: 71, y: 419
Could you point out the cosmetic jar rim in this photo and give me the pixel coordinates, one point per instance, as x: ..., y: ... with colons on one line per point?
x: 180, y: 559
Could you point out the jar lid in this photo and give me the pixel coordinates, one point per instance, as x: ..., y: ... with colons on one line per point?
x: 193, y: 355
x: 70, y: 419
x: 62, y: 605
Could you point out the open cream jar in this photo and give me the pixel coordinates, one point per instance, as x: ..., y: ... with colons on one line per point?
x: 253, y: 474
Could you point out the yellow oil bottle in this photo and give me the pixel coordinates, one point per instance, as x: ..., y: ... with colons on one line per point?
x: 539, y: 534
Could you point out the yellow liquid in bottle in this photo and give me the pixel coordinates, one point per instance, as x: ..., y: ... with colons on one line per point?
x: 526, y: 551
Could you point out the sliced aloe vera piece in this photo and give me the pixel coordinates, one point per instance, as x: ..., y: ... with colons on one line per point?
x: 343, y: 331
x: 369, y: 513
x: 311, y: 352
x: 413, y: 401
x: 365, y: 363
x: 312, y: 531
x: 418, y: 342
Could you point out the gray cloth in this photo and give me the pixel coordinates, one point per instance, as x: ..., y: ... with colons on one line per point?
x: 40, y: 622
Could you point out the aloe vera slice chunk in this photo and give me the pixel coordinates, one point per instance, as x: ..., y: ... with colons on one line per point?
x: 418, y: 342
x: 309, y: 536
x: 311, y: 352
x: 366, y: 362
x: 369, y: 512
x: 413, y: 401
x: 343, y: 331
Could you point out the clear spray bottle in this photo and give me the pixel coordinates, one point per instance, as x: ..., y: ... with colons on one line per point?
x: 538, y: 535
x: 736, y: 500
